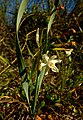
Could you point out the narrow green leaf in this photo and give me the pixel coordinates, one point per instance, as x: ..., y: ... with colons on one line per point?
x: 33, y: 68
x: 21, y: 64
x: 41, y: 37
x: 37, y: 89
x: 20, y: 13
x: 29, y: 51
x: 22, y: 70
x: 26, y: 88
x: 51, y: 20
x: 20, y: 59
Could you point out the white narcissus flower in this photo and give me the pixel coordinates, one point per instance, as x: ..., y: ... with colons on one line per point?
x: 49, y: 63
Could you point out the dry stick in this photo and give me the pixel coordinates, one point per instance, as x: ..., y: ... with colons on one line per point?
x: 77, y: 23
x: 25, y: 19
x: 9, y: 115
x: 12, y: 101
x: 12, y: 113
x: 2, y: 40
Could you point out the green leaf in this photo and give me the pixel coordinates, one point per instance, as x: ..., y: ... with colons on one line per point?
x: 51, y: 20
x: 21, y: 64
x: 26, y: 88
x: 33, y: 68
x: 37, y: 89
x: 20, y: 58
x: 20, y: 13
x: 42, y: 104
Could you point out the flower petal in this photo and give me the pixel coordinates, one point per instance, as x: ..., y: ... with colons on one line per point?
x: 45, y: 58
x: 51, y: 64
x: 55, y: 69
x: 43, y: 64
x: 53, y: 57
x: 46, y: 73
x: 68, y: 52
x: 55, y: 61
x: 47, y: 70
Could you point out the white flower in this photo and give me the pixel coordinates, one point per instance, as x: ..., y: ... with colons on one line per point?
x: 68, y: 52
x: 49, y: 63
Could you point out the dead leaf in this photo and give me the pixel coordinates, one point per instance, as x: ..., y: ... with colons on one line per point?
x: 50, y: 117
x: 38, y: 118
